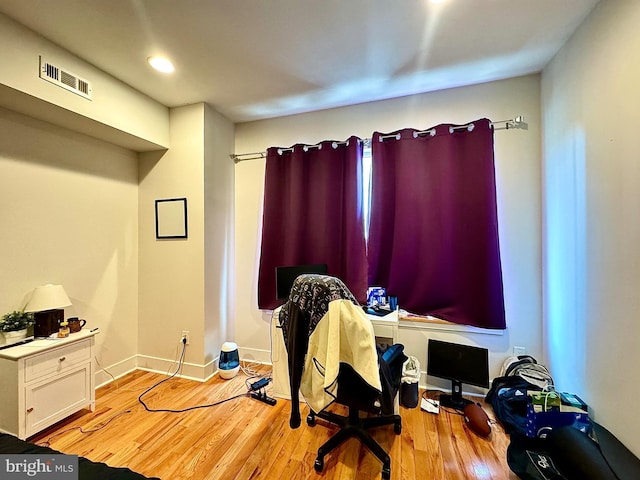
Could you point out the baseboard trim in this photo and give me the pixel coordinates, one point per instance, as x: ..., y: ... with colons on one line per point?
x: 104, y: 376
x: 255, y: 355
x: 192, y: 371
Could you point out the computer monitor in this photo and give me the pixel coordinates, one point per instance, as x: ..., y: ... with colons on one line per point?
x: 460, y: 364
x: 285, y: 277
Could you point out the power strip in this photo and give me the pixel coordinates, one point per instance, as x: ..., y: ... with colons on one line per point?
x: 431, y: 406
x: 263, y: 397
x: 257, y: 385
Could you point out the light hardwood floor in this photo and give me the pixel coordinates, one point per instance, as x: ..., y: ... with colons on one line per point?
x: 247, y: 439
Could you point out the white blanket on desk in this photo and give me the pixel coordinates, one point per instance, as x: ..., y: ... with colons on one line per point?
x: 344, y: 334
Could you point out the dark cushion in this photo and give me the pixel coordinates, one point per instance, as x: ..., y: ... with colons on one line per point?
x: 572, y: 455
x: 87, y: 470
x: 624, y: 463
x: 577, y: 456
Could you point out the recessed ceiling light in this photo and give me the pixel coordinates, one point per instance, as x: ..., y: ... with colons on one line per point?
x: 161, y: 64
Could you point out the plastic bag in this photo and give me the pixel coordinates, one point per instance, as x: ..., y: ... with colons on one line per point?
x: 411, y: 370
x: 409, y: 385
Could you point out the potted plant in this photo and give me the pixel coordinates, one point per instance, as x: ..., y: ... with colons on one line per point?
x: 15, y: 324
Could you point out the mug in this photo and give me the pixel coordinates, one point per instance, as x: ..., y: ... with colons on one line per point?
x: 75, y: 324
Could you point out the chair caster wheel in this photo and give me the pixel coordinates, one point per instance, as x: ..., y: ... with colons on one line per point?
x: 319, y: 465
x: 311, y: 420
x: 386, y: 473
x: 397, y: 428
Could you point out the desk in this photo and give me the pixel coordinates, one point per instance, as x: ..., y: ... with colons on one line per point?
x: 385, y: 329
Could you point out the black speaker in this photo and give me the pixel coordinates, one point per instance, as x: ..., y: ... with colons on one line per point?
x: 47, y: 322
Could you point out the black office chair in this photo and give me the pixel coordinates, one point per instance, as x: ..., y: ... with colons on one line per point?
x: 308, y: 305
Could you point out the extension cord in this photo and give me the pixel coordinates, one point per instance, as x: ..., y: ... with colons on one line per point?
x: 263, y: 397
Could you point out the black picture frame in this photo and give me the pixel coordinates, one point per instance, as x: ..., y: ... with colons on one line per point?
x: 171, y: 218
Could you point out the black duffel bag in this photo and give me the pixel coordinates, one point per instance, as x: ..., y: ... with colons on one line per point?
x: 568, y: 454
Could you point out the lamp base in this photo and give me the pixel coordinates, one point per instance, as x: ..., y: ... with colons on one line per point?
x: 47, y: 322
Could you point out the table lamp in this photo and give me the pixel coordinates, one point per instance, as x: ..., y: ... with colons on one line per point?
x: 47, y: 302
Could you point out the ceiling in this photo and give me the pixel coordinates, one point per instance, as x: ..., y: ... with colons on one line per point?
x: 253, y: 59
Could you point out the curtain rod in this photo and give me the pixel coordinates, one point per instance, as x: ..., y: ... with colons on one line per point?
x: 514, y: 123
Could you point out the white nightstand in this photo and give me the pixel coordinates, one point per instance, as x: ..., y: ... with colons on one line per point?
x: 45, y: 381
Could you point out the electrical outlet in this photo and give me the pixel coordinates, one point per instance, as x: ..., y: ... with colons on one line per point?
x: 185, y: 336
x: 519, y: 350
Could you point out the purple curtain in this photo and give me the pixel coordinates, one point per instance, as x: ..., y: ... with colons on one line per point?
x: 433, y: 237
x: 313, y: 214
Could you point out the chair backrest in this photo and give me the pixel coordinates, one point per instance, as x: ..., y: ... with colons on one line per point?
x: 311, y: 295
x: 355, y: 392
x: 324, y: 326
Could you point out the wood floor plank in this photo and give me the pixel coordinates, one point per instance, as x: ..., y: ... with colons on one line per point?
x: 245, y: 439
x: 263, y: 447
x: 413, y: 424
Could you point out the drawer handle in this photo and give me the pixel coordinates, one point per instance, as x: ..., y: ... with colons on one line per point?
x: 29, y: 410
x: 62, y: 359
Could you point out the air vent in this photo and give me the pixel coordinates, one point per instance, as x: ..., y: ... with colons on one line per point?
x: 65, y: 79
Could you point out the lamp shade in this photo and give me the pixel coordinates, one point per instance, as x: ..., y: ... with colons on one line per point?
x: 47, y: 297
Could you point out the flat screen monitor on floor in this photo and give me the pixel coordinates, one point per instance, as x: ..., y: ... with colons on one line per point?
x: 460, y: 364
x: 285, y: 277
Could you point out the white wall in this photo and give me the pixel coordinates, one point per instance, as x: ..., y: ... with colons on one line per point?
x: 183, y: 282
x: 167, y: 286
x: 591, y: 174
x: 518, y: 180
x: 218, y: 231
x: 69, y: 215
x: 117, y: 113
x: 172, y: 270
